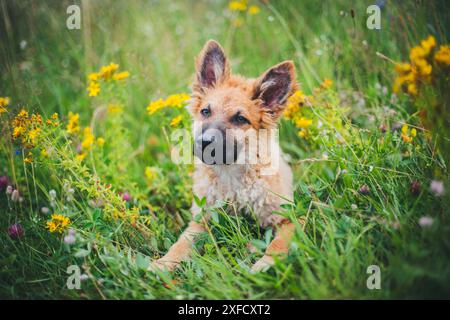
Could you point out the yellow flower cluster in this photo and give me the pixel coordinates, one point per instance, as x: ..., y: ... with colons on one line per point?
x: 58, y: 223
x: 131, y: 215
x: 176, y: 100
x: 73, y: 125
x: 241, y: 5
x: 407, y: 134
x: 150, y: 173
x: 419, y: 69
x: 87, y: 142
x: 176, y: 121
x: 443, y: 55
x: 26, y: 128
x: 106, y: 73
x: 293, y: 112
x: 4, y: 102
x: 326, y: 84
x: 296, y: 101
x: 115, y: 108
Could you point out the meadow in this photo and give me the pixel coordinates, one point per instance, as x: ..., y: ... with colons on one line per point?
x: 86, y: 176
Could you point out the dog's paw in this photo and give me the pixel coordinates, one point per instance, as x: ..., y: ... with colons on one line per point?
x: 162, y: 265
x: 263, y: 264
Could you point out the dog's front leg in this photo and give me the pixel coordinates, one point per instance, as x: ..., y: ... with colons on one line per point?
x: 279, y: 246
x: 180, y: 250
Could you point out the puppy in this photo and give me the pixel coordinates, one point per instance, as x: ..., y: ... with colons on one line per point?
x: 225, y: 108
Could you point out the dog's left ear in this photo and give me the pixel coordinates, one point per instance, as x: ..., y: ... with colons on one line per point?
x: 274, y: 87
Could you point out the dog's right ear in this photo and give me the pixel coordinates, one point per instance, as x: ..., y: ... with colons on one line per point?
x: 212, y: 66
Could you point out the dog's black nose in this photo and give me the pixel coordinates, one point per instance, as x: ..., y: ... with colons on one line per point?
x: 206, y: 141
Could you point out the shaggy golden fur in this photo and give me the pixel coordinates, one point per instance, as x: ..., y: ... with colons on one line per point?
x: 261, y: 101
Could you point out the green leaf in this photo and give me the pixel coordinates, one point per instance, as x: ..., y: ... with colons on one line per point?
x: 259, y: 244
x: 268, y: 236
x: 82, y: 253
x: 142, y: 262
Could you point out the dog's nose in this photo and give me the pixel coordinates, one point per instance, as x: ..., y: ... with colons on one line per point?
x: 206, y: 140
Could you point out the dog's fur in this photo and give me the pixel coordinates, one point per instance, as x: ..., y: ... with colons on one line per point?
x: 261, y: 101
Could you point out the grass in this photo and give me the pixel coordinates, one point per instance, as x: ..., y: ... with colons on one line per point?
x: 346, y: 230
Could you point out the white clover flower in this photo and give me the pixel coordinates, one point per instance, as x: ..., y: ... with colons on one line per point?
x: 426, y: 222
x: 52, y: 194
x: 437, y: 187
x: 45, y: 210
x: 15, y: 195
x: 69, y: 239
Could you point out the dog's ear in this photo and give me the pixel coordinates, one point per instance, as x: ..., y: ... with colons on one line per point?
x: 212, y: 66
x: 274, y: 87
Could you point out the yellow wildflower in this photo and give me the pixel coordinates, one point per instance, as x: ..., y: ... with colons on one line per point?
x: 23, y: 114
x: 417, y: 53
x: 408, y: 135
x: 53, y: 121
x: 428, y: 44
x: 73, y: 125
x: 176, y: 121
x: 80, y: 157
x: 301, y: 122
x: 402, y: 68
x: 237, y: 5
x: 106, y: 72
x: 4, y: 102
x: 17, y: 131
x: 88, y: 139
x: 93, y: 89
x: 326, y: 84
x: 293, y: 104
x: 253, y: 10
x: 58, y: 223
x: 28, y: 158
x: 150, y: 173
x: 175, y: 100
x: 155, y: 106
x: 412, y: 89
x: 115, y: 108
x: 302, y: 133
x: 100, y: 142
x: 33, y: 134
x: 93, y: 76
x: 405, y: 129
x: 406, y: 138
x: 121, y: 75
x: 443, y: 55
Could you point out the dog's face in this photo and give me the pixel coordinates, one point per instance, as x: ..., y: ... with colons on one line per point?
x: 226, y: 108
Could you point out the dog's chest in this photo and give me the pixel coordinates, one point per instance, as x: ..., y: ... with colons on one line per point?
x: 242, y: 189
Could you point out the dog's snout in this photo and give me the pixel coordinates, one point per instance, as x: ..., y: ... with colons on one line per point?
x: 207, y: 140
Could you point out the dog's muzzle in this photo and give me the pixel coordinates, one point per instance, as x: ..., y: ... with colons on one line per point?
x: 211, y: 147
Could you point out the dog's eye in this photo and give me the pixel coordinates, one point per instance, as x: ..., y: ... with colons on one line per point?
x: 239, y: 119
x: 206, y: 112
